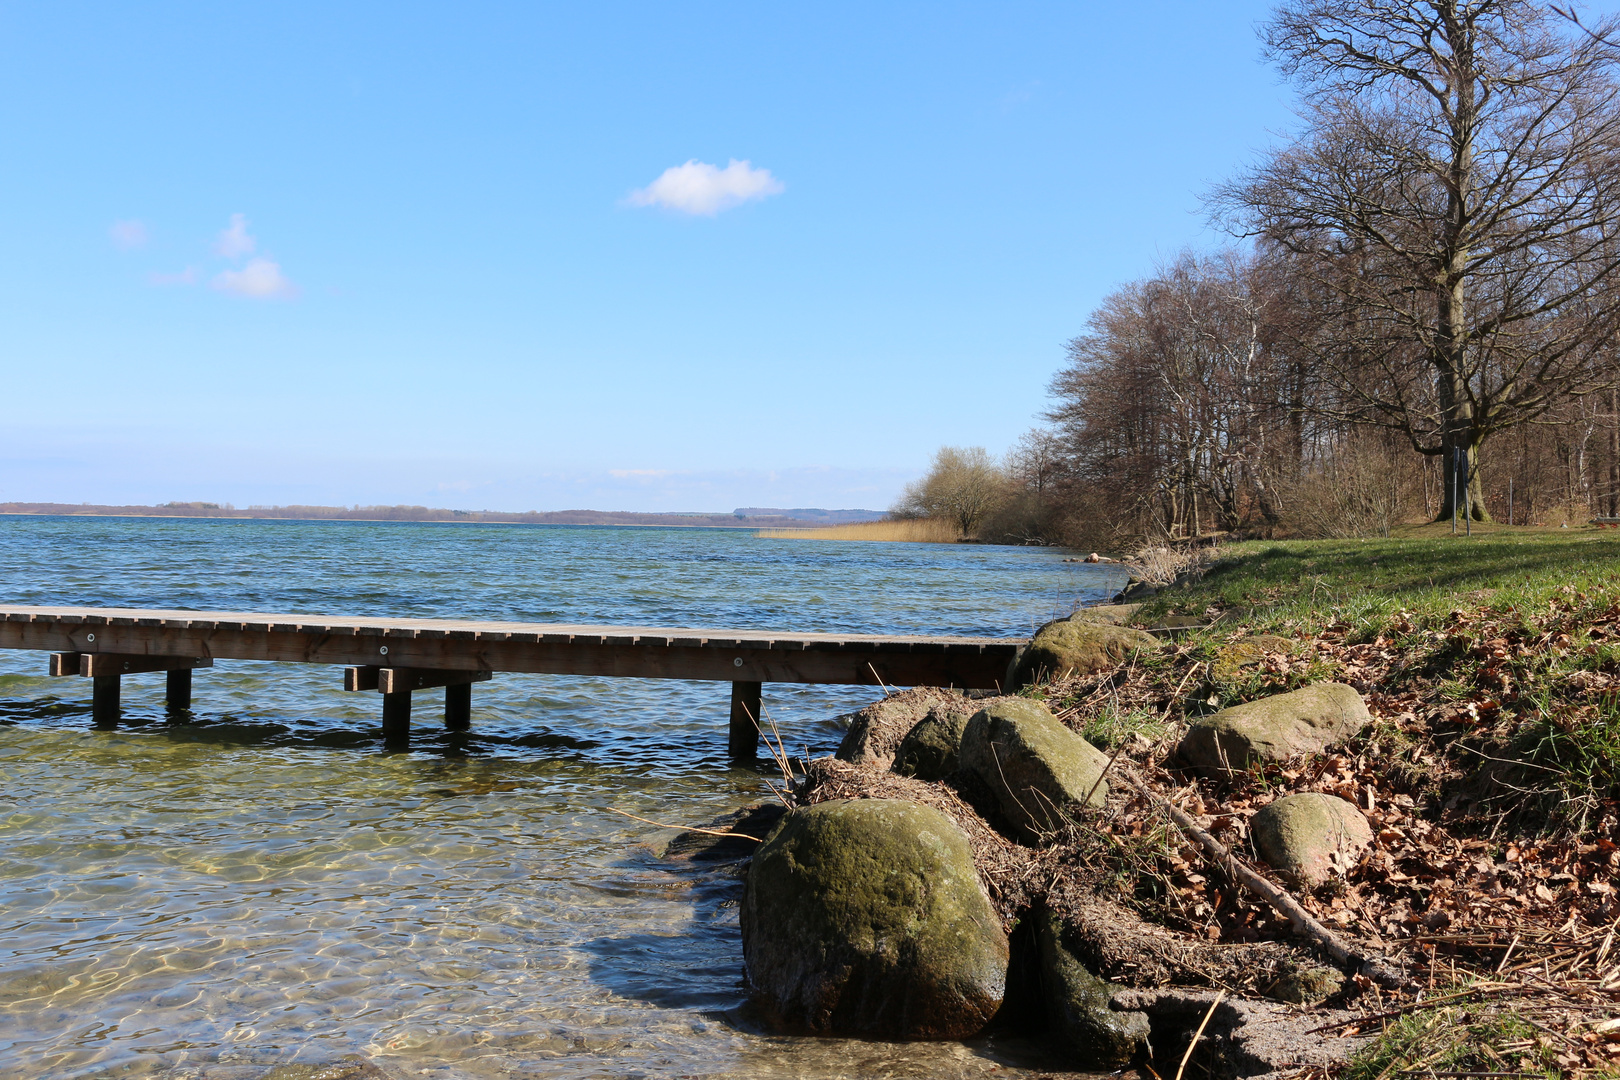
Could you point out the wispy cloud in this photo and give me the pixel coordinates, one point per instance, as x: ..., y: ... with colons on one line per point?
x: 128, y: 235
x: 234, y: 240
x: 260, y: 279
x: 700, y: 188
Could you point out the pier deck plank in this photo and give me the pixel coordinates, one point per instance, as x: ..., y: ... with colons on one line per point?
x: 978, y: 663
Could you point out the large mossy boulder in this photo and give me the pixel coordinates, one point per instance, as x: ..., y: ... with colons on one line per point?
x: 1311, y: 838
x: 875, y: 732
x: 1037, y: 768
x: 1112, y: 614
x: 929, y: 750
x: 866, y: 917
x: 1078, y: 1011
x: 1275, y: 728
x: 1076, y: 647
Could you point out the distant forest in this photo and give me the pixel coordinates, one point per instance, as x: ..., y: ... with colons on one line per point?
x: 748, y: 517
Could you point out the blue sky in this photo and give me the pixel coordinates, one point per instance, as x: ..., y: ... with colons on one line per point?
x: 421, y: 253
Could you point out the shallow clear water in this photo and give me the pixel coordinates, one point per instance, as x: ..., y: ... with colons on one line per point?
x: 265, y: 884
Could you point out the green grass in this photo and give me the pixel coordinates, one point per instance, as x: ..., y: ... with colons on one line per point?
x: 1422, y: 570
x: 1456, y: 1039
x: 1112, y: 726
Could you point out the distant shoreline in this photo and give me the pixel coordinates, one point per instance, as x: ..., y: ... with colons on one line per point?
x: 810, y: 519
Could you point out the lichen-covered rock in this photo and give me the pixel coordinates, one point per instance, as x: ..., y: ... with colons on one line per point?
x: 929, y: 750
x: 1113, y: 614
x: 1078, y: 1005
x: 1037, y: 768
x: 1247, y: 652
x: 1275, y: 728
x: 1076, y: 647
x: 1308, y: 986
x: 874, y: 733
x: 1310, y: 838
x: 866, y: 917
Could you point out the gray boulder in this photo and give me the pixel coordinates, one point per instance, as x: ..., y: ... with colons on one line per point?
x: 1076, y: 647
x: 1036, y: 768
x: 1276, y: 728
x: 1078, y: 1005
x: 929, y: 750
x: 1310, y: 838
x: 866, y: 917
x: 874, y: 733
x: 1113, y: 614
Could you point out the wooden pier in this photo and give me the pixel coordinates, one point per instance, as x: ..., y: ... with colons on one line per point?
x: 398, y: 657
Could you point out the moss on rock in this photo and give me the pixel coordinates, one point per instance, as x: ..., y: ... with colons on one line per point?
x: 1078, y: 1005
x: 1112, y: 614
x: 929, y: 750
x: 1247, y: 652
x: 866, y: 917
x: 1037, y: 768
x: 1076, y: 647
x: 1311, y: 837
x: 1275, y: 728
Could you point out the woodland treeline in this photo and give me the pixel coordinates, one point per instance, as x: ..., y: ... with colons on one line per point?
x: 1419, y: 313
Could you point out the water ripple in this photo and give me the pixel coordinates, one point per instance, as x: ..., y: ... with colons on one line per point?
x: 259, y: 883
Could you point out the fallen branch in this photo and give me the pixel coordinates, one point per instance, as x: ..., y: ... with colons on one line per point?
x: 1345, y: 952
x: 1199, y: 1034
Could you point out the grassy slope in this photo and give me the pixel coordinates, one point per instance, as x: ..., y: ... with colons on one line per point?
x: 1422, y: 569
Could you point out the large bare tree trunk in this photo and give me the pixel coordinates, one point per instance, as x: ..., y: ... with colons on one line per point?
x: 1614, y: 453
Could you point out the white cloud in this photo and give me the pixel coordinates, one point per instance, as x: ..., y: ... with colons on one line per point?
x: 234, y: 240
x: 700, y: 188
x: 127, y: 235
x: 640, y: 474
x: 260, y: 279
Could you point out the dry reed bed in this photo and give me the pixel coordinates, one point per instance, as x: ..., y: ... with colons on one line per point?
x: 915, y: 531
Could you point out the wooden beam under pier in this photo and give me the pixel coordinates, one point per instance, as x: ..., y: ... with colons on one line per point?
x: 106, y: 669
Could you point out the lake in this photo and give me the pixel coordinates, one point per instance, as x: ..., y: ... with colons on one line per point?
x: 263, y: 883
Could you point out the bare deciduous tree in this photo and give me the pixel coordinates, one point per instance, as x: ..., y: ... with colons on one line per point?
x: 1451, y: 212
x: 963, y: 485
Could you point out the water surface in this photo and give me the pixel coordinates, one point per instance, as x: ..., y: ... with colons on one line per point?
x: 262, y: 883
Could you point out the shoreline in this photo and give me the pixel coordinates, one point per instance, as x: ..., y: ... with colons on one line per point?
x: 437, y: 515
x: 1436, y: 707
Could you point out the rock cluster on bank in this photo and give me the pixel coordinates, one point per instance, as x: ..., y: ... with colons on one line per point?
x: 873, y: 915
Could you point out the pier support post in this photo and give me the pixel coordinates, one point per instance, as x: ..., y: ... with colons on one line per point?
x: 458, y: 706
x: 745, y: 721
x: 104, y: 700
x: 397, y: 718
x: 178, y: 696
